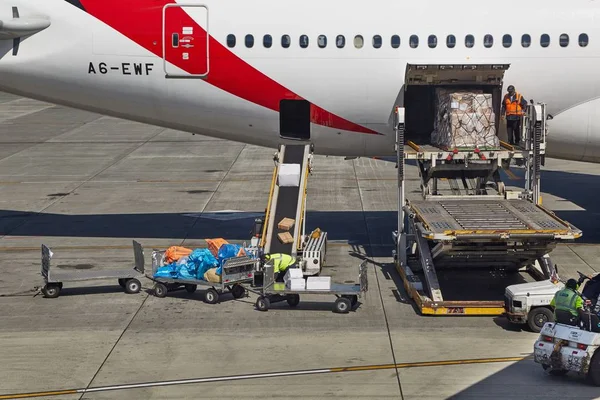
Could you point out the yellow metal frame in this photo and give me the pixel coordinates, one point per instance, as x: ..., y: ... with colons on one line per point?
x: 450, y: 308
x: 268, y: 213
x: 304, y: 191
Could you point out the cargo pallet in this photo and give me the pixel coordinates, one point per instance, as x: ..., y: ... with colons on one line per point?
x: 472, y: 228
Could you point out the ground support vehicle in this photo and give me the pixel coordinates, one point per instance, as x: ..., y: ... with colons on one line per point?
x: 272, y: 292
x: 562, y: 348
x: 236, y: 272
x: 477, y: 223
x: 128, y: 278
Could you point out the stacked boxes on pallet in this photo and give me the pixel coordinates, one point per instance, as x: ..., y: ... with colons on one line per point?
x: 464, y: 120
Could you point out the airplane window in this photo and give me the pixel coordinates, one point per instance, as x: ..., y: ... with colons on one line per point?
x: 583, y: 40
x: 230, y: 40
x: 563, y: 40
x: 413, y: 41
x: 545, y: 40
x: 303, y: 41
x: 525, y: 40
x: 249, y: 40
x: 322, y: 41
x: 286, y: 41
x: 377, y: 41
x: 267, y: 41
x: 358, y: 41
x: 451, y: 41
x: 395, y: 41
x: 340, y: 41
x: 506, y: 40
x: 432, y: 41
x: 469, y: 41
x: 488, y: 41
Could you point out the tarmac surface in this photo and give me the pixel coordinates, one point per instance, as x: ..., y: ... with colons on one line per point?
x: 86, y: 185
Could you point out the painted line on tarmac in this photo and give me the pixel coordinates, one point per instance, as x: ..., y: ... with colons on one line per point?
x: 357, y: 368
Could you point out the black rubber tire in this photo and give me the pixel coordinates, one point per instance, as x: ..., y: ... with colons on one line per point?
x: 211, y: 296
x: 190, y: 288
x: 262, y: 304
x: 160, y: 290
x: 293, y: 300
x: 537, y: 317
x: 342, y: 305
x: 238, y: 291
x: 133, y: 286
x: 122, y: 282
x: 51, y: 290
x: 594, y: 372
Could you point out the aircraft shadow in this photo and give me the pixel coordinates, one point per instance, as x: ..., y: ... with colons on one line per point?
x: 522, y: 380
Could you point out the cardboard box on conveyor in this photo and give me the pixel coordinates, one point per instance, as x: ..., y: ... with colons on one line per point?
x: 286, y: 224
x: 285, y: 238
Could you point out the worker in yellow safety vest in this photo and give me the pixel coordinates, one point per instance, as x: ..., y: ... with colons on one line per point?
x: 570, y: 302
x: 281, y: 262
x: 513, y: 106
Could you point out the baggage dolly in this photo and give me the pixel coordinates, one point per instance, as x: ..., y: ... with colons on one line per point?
x: 127, y: 278
x: 235, y: 272
x: 274, y: 292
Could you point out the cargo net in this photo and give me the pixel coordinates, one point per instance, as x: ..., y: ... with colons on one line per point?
x: 464, y: 120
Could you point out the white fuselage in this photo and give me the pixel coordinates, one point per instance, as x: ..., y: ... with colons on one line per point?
x: 359, y: 85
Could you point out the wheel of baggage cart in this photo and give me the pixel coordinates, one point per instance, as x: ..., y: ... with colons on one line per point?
x: 293, y: 299
x: 211, y: 296
x: 353, y: 299
x: 343, y: 305
x: 238, y: 291
x: 160, y: 290
x: 538, y: 317
x: 51, y: 290
x: 122, y: 282
x: 262, y: 303
x: 190, y: 288
x: 133, y: 286
x: 594, y: 371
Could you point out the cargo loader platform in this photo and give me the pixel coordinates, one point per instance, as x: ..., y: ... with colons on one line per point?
x: 473, y: 222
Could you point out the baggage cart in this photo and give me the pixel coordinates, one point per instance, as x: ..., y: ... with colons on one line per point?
x: 235, y: 272
x: 274, y: 292
x: 128, y: 278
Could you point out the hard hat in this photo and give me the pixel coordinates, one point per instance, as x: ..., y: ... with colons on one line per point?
x: 572, y: 284
x: 510, y: 87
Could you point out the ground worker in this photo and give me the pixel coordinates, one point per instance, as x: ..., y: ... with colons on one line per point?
x: 281, y: 262
x: 568, y: 299
x: 513, y: 107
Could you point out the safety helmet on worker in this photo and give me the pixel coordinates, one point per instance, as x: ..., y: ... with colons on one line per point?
x: 510, y: 88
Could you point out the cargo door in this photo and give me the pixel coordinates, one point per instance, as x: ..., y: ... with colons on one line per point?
x: 455, y: 74
x: 420, y: 81
x: 185, y: 41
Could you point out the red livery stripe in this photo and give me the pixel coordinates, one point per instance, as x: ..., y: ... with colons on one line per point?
x: 141, y: 21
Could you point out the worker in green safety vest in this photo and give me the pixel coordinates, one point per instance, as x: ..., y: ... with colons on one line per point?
x: 281, y: 262
x: 568, y: 300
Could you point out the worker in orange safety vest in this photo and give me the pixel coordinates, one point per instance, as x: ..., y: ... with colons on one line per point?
x: 513, y: 106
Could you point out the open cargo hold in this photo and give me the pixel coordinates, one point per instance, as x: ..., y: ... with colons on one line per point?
x: 432, y: 112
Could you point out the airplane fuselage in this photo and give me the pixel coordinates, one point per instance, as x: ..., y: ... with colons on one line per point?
x: 108, y: 57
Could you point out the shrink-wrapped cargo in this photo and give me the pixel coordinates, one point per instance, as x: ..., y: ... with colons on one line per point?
x: 464, y: 120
